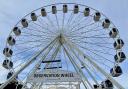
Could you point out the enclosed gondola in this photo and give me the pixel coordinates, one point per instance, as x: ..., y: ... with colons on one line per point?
x: 24, y: 23
x: 113, y: 33
x: 107, y: 84
x: 11, y: 41
x: 7, y: 64
x: 65, y: 8
x: 54, y: 10
x: 106, y: 23
x: 96, y: 86
x: 97, y: 16
x: 76, y: 9
x: 120, y: 57
x: 86, y: 11
x: 16, y: 31
x: 43, y: 12
x: 10, y: 74
x: 116, y: 71
x: 118, y: 44
x: 7, y: 52
x: 33, y: 17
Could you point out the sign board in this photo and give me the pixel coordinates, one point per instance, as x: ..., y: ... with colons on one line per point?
x: 54, y: 76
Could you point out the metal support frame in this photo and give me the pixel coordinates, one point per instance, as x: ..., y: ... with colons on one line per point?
x: 78, y: 70
x: 95, y: 65
x: 77, y: 67
x: 25, y: 65
x: 40, y: 61
x: 54, y: 55
x: 84, y: 65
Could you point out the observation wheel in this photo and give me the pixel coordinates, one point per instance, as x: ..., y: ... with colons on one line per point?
x: 65, y: 36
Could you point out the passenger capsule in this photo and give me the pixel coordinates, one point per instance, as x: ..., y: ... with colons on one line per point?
x: 24, y: 23
x: 118, y: 44
x: 113, y: 33
x: 33, y: 17
x: 97, y: 16
x: 7, y: 52
x: 16, y: 31
x: 116, y: 71
x: 54, y: 10
x: 106, y: 23
x: 107, y: 84
x: 14, y: 85
x: 9, y: 75
x: 96, y: 86
x: 76, y: 9
x: 7, y: 64
x: 11, y: 41
x: 86, y: 12
x: 65, y: 8
x: 43, y: 12
x: 120, y: 57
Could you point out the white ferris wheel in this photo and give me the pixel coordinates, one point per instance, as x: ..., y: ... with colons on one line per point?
x: 64, y: 36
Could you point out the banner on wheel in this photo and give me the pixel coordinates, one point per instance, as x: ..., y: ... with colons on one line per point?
x: 54, y: 76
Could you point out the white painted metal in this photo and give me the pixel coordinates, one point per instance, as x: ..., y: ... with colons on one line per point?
x: 25, y: 65
x: 78, y: 70
x: 40, y: 61
x: 96, y: 66
x: 84, y: 65
x: 69, y: 45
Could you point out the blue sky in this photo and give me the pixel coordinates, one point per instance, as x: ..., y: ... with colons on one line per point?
x: 11, y: 11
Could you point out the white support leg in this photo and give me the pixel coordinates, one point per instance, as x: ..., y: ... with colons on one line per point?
x: 78, y: 70
x: 25, y: 65
x: 54, y: 54
x: 84, y: 65
x: 96, y: 66
x: 43, y: 58
x: 40, y: 61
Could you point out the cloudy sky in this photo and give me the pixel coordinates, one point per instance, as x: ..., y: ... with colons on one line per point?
x: 11, y: 11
